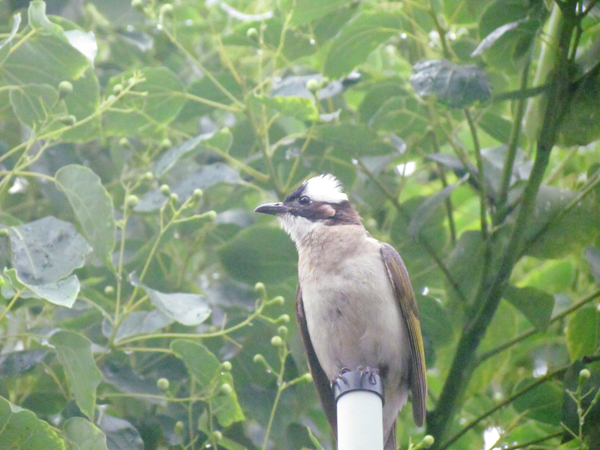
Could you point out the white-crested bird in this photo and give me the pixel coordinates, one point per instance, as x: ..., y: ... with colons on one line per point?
x: 355, y: 305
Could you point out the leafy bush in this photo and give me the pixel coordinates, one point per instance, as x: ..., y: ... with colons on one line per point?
x: 143, y: 301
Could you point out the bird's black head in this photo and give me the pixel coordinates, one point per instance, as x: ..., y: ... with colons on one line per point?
x: 319, y: 200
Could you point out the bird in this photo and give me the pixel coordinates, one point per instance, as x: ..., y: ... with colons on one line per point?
x: 355, y: 305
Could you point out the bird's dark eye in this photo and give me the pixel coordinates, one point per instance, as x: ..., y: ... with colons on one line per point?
x: 304, y: 200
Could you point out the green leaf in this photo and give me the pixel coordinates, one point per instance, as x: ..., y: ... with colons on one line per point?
x: 221, y: 139
x: 299, y: 107
x: 592, y: 255
x: 16, y: 364
x: 535, y: 304
x: 74, y: 352
x: 152, y: 104
x: 46, y: 250
x: 352, y: 140
x: 10, y: 37
x: 260, y: 253
x: 426, y: 209
x: 136, y: 323
x: 452, y: 85
x: 543, y: 403
x: 307, y: 10
x: 120, y: 434
x: 93, y: 207
x: 358, y: 38
x: 44, y: 57
x: 204, y: 178
x: 187, y: 309
x: 38, y: 19
x: 435, y: 321
x: 81, y: 434
x: 199, y: 360
x: 35, y: 104
x: 83, y: 103
x: 550, y: 237
x: 226, y: 406
x: 583, y: 333
x: 21, y: 429
x: 580, y: 124
x: 62, y: 292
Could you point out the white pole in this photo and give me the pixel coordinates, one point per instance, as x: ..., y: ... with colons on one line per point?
x: 359, y: 411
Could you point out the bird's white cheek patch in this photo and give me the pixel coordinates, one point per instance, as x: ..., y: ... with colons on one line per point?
x: 297, y: 227
x: 328, y: 210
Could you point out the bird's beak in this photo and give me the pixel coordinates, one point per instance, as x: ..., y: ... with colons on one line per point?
x: 272, y: 208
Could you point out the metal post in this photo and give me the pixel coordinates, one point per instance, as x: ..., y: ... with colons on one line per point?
x: 359, y: 401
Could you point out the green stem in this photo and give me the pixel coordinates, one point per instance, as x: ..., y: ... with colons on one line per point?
x: 11, y: 304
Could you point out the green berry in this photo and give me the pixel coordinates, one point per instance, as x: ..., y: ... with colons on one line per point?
x: 131, y: 201
x: 162, y: 384
x: 166, y: 143
x: 226, y: 366
x: 427, y: 441
x: 285, y: 318
x: 210, y: 215
x: 109, y: 290
x: 226, y: 389
x: 64, y: 89
x: 179, y: 426
x: 217, y: 435
x: 165, y: 190
x: 174, y: 197
x: 117, y: 89
x: 68, y: 120
x: 252, y: 33
x: 111, y: 98
x: 307, y: 377
x: 137, y: 4
x: 279, y: 300
x: 584, y: 375
x: 124, y: 142
x: 276, y: 341
x: 197, y: 194
x: 258, y: 358
x: 312, y: 85
x: 148, y: 176
x: 282, y: 331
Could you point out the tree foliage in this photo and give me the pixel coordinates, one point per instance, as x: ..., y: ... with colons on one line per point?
x: 144, y: 305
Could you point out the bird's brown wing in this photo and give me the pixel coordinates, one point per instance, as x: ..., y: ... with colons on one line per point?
x: 408, y: 305
x: 322, y: 383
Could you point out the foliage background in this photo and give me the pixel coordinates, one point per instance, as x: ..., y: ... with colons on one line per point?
x: 130, y: 312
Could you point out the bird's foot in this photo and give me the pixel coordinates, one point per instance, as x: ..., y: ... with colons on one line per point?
x: 361, y: 379
x: 368, y: 373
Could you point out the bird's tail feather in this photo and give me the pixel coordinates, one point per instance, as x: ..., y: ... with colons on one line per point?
x: 390, y: 443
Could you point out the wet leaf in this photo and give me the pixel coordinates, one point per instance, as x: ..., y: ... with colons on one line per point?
x: 74, y: 352
x: 21, y: 429
x: 81, y: 434
x: 452, y: 85
x: 46, y: 250
x: 535, y: 304
x: 120, y: 434
x: 187, y: 309
x: 93, y: 207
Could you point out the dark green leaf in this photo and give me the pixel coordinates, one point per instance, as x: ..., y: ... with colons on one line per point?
x: 187, y: 309
x: 553, y: 238
x: 21, y: 429
x: 353, y: 140
x: 583, y: 333
x: 81, y: 434
x: 452, y: 85
x: 358, y: 38
x: 434, y: 320
x: 580, y: 125
x: 74, y: 352
x: 299, y: 107
x: 535, y: 304
x: 120, y: 434
x: 226, y: 406
x: 93, y: 208
x: 83, y: 103
x: 203, y: 178
x: 117, y: 371
x: 136, y: 323
x: 543, y: 403
x: 426, y: 209
x: 35, y: 104
x: 592, y: 255
x: 46, y: 250
x: 18, y: 363
x: 199, y: 360
x: 260, y: 253
x: 222, y: 139
x: 153, y: 103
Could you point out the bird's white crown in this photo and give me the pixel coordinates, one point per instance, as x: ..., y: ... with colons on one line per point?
x: 325, y: 188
